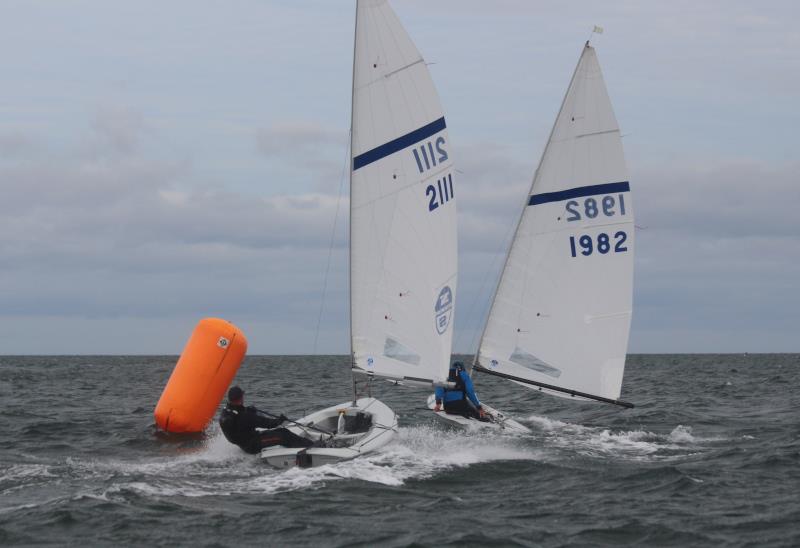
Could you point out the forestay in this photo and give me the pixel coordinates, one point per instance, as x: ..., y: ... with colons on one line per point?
x: 561, y: 314
x: 403, y: 259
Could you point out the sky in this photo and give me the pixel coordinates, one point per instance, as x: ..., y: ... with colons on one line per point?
x: 161, y: 162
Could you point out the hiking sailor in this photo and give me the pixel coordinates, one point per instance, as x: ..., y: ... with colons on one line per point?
x: 239, y: 425
x: 462, y: 399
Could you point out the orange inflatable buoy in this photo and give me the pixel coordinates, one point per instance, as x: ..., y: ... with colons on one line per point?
x: 205, y: 369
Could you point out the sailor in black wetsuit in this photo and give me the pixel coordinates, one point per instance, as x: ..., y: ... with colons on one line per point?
x: 239, y: 425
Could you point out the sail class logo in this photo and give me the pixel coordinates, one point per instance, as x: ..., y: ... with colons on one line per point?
x: 444, y: 309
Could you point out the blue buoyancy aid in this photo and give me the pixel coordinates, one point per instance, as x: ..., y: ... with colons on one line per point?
x: 463, y: 388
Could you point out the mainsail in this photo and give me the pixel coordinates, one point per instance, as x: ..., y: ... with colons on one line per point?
x: 403, y: 242
x: 562, y: 310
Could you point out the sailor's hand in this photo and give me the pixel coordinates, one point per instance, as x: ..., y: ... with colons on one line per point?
x: 481, y: 412
x: 437, y: 408
x: 283, y: 418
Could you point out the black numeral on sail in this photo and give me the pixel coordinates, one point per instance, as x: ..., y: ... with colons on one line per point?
x: 426, y: 157
x: 440, y: 193
x: 590, y: 207
x: 586, y: 245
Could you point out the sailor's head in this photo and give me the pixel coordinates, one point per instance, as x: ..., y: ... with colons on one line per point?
x: 455, y: 370
x: 236, y: 395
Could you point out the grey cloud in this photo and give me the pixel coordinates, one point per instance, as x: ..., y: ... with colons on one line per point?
x: 15, y: 143
x: 109, y: 233
x: 299, y: 141
x: 120, y: 127
x: 90, y: 206
x: 729, y: 201
x: 311, y: 152
x: 718, y: 249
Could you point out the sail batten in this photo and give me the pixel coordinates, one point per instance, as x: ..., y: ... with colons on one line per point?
x: 560, y: 317
x: 403, y: 246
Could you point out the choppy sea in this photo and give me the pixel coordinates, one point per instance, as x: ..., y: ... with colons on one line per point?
x: 710, y: 456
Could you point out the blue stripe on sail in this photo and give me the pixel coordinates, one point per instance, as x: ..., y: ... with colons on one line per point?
x: 591, y: 190
x: 396, y: 145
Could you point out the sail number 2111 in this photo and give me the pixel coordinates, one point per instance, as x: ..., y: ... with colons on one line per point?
x: 445, y: 194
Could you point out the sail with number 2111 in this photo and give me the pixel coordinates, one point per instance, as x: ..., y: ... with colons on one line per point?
x: 403, y: 248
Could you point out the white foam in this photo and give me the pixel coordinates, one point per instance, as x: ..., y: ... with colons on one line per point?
x: 222, y: 469
x: 26, y: 472
x: 682, y: 434
x: 633, y: 444
x: 164, y: 489
x: 415, y: 453
x: 215, y: 457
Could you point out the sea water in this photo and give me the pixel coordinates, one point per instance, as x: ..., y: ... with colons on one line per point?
x: 709, y: 456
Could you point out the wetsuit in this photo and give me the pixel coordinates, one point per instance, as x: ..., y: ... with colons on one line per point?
x: 239, y: 425
x: 462, y: 399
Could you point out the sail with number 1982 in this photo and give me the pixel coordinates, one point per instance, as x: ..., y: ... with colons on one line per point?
x: 561, y: 315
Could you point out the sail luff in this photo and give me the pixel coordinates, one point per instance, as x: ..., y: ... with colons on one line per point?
x: 350, y: 217
x: 350, y: 204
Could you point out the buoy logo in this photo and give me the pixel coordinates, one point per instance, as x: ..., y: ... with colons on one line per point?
x: 223, y: 342
x: 444, y: 309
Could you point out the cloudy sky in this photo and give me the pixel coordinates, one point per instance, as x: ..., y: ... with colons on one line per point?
x: 165, y: 161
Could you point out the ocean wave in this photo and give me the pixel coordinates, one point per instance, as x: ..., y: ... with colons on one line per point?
x: 221, y: 469
x: 631, y: 444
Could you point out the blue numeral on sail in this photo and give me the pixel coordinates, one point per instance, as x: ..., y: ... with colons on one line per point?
x: 587, y: 244
x: 445, y: 192
x: 416, y: 157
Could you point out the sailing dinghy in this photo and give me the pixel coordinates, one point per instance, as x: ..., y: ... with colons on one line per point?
x: 403, y: 241
x: 561, y: 314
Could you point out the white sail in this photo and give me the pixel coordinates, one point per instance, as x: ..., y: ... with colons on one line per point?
x: 561, y: 314
x: 403, y: 245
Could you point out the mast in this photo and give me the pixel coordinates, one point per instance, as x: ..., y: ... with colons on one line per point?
x: 350, y: 222
x: 522, y: 211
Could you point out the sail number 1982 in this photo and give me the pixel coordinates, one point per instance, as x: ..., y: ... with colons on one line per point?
x: 592, y: 207
x: 604, y: 243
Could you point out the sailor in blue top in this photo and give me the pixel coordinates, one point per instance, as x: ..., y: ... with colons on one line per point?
x: 462, y: 399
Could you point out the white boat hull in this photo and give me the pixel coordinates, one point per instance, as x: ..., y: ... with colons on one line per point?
x: 498, y: 421
x: 357, y: 440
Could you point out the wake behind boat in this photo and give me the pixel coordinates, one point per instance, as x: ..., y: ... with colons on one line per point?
x: 342, y: 431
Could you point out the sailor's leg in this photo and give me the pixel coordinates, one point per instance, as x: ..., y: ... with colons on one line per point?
x: 270, y: 438
x: 290, y: 439
x: 458, y: 407
x: 273, y: 437
x: 473, y: 411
